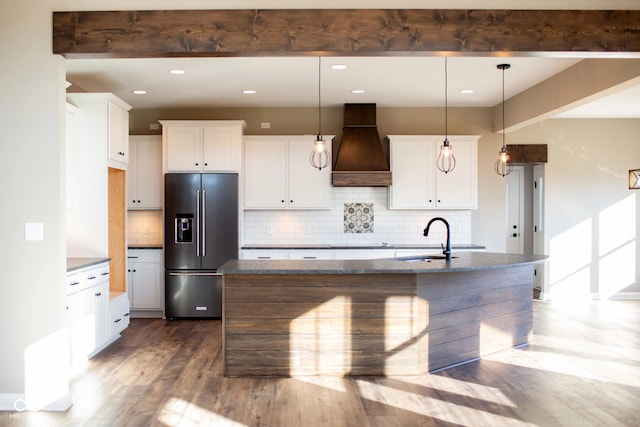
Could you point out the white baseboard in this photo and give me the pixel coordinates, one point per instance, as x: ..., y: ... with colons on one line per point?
x: 15, y: 402
x: 622, y: 295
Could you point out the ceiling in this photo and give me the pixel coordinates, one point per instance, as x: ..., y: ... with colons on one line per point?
x: 293, y: 82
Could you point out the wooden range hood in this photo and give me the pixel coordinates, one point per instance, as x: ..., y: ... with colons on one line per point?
x: 361, y: 161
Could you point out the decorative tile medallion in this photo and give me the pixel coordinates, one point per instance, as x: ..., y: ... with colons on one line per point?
x: 358, y: 217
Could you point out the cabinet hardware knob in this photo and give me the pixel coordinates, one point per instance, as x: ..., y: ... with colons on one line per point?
x: 126, y: 314
x: 206, y: 164
x: 117, y: 320
x: 74, y: 283
x: 197, y: 164
x: 515, y: 234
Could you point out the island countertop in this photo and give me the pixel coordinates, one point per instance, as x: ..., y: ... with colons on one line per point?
x: 462, y: 261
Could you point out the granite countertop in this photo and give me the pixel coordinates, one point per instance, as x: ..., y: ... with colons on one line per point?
x: 78, y: 263
x: 372, y: 246
x: 462, y: 261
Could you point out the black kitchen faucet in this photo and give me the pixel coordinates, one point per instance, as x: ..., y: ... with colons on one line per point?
x: 446, y: 251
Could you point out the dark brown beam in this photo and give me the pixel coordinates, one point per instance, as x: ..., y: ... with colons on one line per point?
x: 343, y: 32
x: 527, y: 153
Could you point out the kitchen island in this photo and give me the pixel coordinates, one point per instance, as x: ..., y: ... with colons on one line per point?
x: 373, y: 317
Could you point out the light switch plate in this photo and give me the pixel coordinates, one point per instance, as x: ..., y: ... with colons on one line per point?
x: 33, y: 231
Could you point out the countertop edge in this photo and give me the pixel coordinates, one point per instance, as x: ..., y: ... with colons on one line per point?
x: 459, y: 246
x: 78, y: 263
x: 466, y: 261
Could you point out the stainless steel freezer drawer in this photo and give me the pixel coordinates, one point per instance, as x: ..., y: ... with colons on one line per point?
x: 195, y: 294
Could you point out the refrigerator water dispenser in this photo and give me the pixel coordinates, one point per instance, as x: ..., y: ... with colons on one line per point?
x: 184, y: 228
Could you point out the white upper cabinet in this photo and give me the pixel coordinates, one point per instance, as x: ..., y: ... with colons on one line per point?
x: 278, y: 174
x: 105, y: 121
x: 417, y: 182
x: 118, y: 131
x: 202, y: 145
x: 144, y: 177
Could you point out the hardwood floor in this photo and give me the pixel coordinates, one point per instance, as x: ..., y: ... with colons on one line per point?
x: 582, y: 369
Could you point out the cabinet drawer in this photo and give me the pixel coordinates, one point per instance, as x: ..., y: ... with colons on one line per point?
x: 82, y: 279
x: 144, y: 255
x: 119, y: 314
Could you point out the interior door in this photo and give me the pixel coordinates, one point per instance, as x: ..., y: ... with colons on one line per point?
x: 515, y: 210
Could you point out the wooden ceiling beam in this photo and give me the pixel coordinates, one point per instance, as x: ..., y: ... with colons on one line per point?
x: 375, y: 32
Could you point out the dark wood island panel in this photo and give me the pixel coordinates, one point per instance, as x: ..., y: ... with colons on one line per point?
x: 372, y: 324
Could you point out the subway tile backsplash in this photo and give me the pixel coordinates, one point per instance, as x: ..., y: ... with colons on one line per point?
x: 327, y: 226
x: 144, y: 227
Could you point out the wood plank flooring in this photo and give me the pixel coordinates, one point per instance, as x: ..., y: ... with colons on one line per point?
x: 582, y: 369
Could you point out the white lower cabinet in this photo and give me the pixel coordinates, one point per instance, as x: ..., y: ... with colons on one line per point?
x: 310, y: 254
x: 118, y: 315
x: 88, y: 311
x: 363, y: 253
x: 264, y: 254
x: 146, y: 282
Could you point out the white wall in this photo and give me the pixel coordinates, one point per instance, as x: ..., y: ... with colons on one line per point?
x: 592, y: 218
x: 33, y: 359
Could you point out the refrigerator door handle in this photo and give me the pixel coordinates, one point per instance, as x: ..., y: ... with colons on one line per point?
x: 204, y: 223
x: 197, y: 222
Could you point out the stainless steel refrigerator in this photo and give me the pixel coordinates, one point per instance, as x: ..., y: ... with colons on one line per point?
x: 201, y: 234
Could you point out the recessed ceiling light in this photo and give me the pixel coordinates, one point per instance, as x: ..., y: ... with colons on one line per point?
x: 357, y: 91
x: 139, y: 92
x: 177, y: 72
x: 339, y: 67
x: 249, y: 91
x: 466, y: 91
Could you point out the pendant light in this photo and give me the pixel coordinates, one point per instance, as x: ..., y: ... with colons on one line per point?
x: 446, y: 161
x: 503, y: 164
x: 320, y: 156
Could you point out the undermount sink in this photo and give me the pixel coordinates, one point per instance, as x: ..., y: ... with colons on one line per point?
x: 426, y: 258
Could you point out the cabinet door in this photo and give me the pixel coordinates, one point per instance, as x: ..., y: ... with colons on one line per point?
x: 308, y: 187
x: 265, y: 174
x: 82, y: 324
x: 184, y: 148
x: 221, y: 149
x: 412, y: 165
x: 146, y: 286
x: 149, y: 174
x: 101, y: 310
x: 133, y: 199
x: 459, y: 189
x: 118, y: 129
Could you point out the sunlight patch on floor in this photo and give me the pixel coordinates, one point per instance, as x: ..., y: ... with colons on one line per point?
x: 584, y: 367
x: 332, y: 383
x: 436, y: 409
x: 459, y: 387
x: 178, y: 412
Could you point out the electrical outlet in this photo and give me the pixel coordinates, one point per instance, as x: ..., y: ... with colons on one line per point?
x: 265, y: 125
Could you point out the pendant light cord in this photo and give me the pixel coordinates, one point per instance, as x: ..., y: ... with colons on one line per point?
x: 504, y: 131
x: 446, y: 100
x: 319, y: 96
